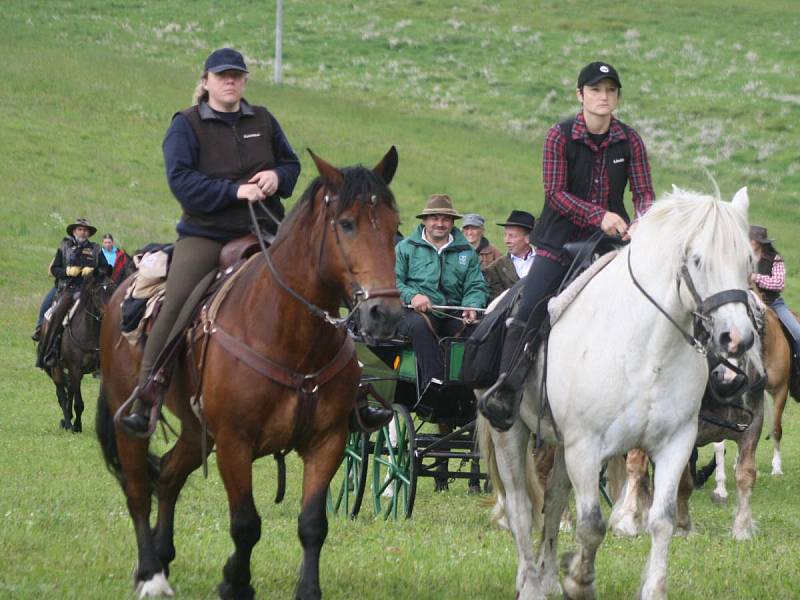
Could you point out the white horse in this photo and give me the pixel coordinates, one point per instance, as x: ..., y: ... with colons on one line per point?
x: 620, y: 375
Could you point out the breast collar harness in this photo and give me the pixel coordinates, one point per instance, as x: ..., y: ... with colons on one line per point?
x: 359, y: 296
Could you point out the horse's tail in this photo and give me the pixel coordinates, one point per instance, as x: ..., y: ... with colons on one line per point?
x: 107, y: 436
x: 532, y: 482
x: 702, y: 474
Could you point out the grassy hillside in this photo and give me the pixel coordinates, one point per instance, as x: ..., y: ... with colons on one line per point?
x: 466, y: 91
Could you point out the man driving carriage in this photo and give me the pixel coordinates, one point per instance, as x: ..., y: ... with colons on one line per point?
x: 436, y: 266
x: 75, y: 259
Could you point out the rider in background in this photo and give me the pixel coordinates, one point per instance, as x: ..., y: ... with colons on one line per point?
x: 770, y: 279
x: 119, y: 260
x: 220, y: 154
x: 472, y: 226
x: 76, y: 258
x: 437, y: 266
x: 587, y: 162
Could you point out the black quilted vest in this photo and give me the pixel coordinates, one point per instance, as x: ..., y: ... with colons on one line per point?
x: 553, y: 230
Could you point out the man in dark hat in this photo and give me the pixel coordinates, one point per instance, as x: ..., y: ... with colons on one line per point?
x: 506, y: 271
x: 436, y: 266
x: 76, y: 258
x: 587, y: 162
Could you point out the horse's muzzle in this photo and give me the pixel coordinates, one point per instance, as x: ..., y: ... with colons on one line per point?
x: 378, y: 317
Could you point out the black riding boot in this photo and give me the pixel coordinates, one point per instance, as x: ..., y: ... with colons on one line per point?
x: 374, y: 417
x: 500, y: 403
x: 146, y: 399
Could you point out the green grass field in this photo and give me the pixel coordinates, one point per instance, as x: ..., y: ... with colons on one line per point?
x: 466, y: 92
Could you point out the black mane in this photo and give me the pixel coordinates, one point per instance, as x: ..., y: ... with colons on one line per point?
x: 360, y: 184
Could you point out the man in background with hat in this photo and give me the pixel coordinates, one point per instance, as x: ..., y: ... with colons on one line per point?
x: 587, y: 162
x: 436, y: 266
x: 76, y: 258
x: 507, y: 270
x: 472, y: 226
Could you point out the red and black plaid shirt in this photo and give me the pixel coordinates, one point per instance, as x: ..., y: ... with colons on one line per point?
x: 587, y: 213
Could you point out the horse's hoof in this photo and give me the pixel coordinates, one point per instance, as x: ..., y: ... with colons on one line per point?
x: 77, y: 428
x: 229, y: 592
x: 718, y: 499
x: 157, y: 586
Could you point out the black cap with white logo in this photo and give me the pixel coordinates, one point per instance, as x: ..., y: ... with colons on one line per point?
x: 594, y: 72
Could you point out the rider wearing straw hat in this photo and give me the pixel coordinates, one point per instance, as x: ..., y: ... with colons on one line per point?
x: 436, y: 266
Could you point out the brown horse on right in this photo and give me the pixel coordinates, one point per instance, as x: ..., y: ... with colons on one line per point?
x: 778, y: 363
x: 280, y: 373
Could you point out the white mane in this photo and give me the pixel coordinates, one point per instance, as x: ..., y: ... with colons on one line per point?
x: 686, y: 224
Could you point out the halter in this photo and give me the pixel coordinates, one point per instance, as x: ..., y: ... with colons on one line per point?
x: 700, y: 339
x: 359, y: 296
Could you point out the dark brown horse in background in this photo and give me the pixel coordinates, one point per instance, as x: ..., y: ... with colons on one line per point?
x: 715, y: 425
x: 79, y: 352
x: 337, y: 243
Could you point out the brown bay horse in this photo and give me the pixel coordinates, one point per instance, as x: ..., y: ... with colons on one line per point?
x: 337, y: 243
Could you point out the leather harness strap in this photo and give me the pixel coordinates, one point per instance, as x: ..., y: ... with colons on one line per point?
x: 306, y: 384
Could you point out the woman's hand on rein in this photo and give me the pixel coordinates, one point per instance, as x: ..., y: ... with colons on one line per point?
x: 267, y: 181
x: 250, y: 192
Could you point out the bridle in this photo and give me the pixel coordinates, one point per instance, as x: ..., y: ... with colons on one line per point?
x: 359, y: 296
x: 700, y: 338
x: 94, y: 294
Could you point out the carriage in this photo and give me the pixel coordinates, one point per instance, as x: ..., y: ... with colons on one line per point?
x: 425, y: 438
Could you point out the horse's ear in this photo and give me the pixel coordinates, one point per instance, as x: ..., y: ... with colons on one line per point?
x: 388, y: 166
x: 741, y: 201
x: 332, y: 176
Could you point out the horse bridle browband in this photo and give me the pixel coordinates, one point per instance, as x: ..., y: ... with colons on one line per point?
x: 359, y: 296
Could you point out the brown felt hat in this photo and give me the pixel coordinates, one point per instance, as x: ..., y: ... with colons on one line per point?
x: 81, y: 223
x: 439, y: 204
x: 759, y: 234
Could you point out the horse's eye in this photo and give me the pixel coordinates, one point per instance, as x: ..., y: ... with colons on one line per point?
x: 347, y: 225
x: 696, y: 261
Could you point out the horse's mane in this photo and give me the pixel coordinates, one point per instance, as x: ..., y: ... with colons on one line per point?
x: 359, y: 185
x: 684, y: 218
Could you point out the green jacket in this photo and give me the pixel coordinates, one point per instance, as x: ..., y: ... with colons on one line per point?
x: 452, y: 278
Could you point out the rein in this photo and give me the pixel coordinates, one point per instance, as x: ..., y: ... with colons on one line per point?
x: 97, y: 317
x: 360, y: 296
x: 699, y: 340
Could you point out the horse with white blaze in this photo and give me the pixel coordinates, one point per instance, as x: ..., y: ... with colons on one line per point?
x: 626, y: 368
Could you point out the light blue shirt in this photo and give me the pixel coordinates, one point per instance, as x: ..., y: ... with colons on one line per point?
x: 111, y: 255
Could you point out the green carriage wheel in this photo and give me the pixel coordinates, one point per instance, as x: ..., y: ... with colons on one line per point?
x: 346, y: 490
x: 394, y: 467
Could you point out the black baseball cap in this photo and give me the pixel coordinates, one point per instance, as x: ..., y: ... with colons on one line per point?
x: 225, y: 59
x: 594, y: 72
